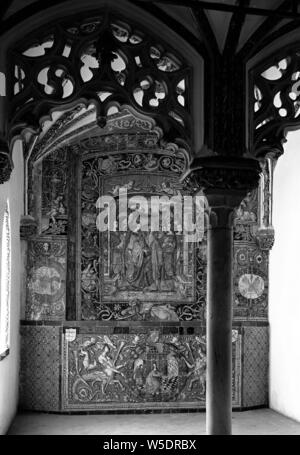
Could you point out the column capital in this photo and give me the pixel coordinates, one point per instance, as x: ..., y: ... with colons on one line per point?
x: 224, y: 181
x: 222, y: 175
x: 5, y: 161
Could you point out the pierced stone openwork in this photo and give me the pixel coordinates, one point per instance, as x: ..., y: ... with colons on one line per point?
x: 275, y: 101
x: 100, y: 59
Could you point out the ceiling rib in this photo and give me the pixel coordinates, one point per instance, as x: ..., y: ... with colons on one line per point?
x: 291, y: 12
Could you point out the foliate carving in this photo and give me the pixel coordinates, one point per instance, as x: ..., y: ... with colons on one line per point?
x: 247, y: 210
x: 54, y: 193
x: 125, y: 130
x: 201, y: 283
x: 218, y: 173
x: 121, y: 142
x: 5, y: 162
x: 275, y: 102
x: 244, y: 232
x: 246, y: 218
x: 103, y: 60
x: 154, y: 161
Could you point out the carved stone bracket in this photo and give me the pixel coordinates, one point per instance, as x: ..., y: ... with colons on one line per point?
x: 265, y: 238
x: 5, y: 161
x: 28, y: 227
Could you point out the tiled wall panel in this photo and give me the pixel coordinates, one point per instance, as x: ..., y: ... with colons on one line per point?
x: 255, y: 366
x: 40, y: 368
x: 109, y: 368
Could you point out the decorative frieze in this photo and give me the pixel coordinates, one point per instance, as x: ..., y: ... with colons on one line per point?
x: 213, y: 174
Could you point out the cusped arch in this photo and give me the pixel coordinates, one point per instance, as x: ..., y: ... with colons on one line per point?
x: 274, y: 95
x: 128, y: 55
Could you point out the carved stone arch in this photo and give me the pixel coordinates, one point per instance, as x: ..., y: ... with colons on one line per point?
x: 273, y: 110
x: 163, y: 41
x: 267, y: 127
x: 275, y: 100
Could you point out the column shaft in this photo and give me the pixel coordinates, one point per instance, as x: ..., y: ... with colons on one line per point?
x: 219, y: 331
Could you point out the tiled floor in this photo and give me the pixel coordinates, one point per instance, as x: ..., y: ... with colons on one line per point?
x: 258, y: 422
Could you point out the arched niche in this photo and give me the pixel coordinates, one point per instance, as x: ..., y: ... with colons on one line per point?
x: 67, y: 171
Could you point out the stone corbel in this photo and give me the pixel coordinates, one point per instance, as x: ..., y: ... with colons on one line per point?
x: 265, y: 238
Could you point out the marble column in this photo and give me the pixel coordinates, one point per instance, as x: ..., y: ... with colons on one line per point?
x: 225, y: 182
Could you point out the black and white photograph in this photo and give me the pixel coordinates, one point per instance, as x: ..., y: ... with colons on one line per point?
x: 149, y: 226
